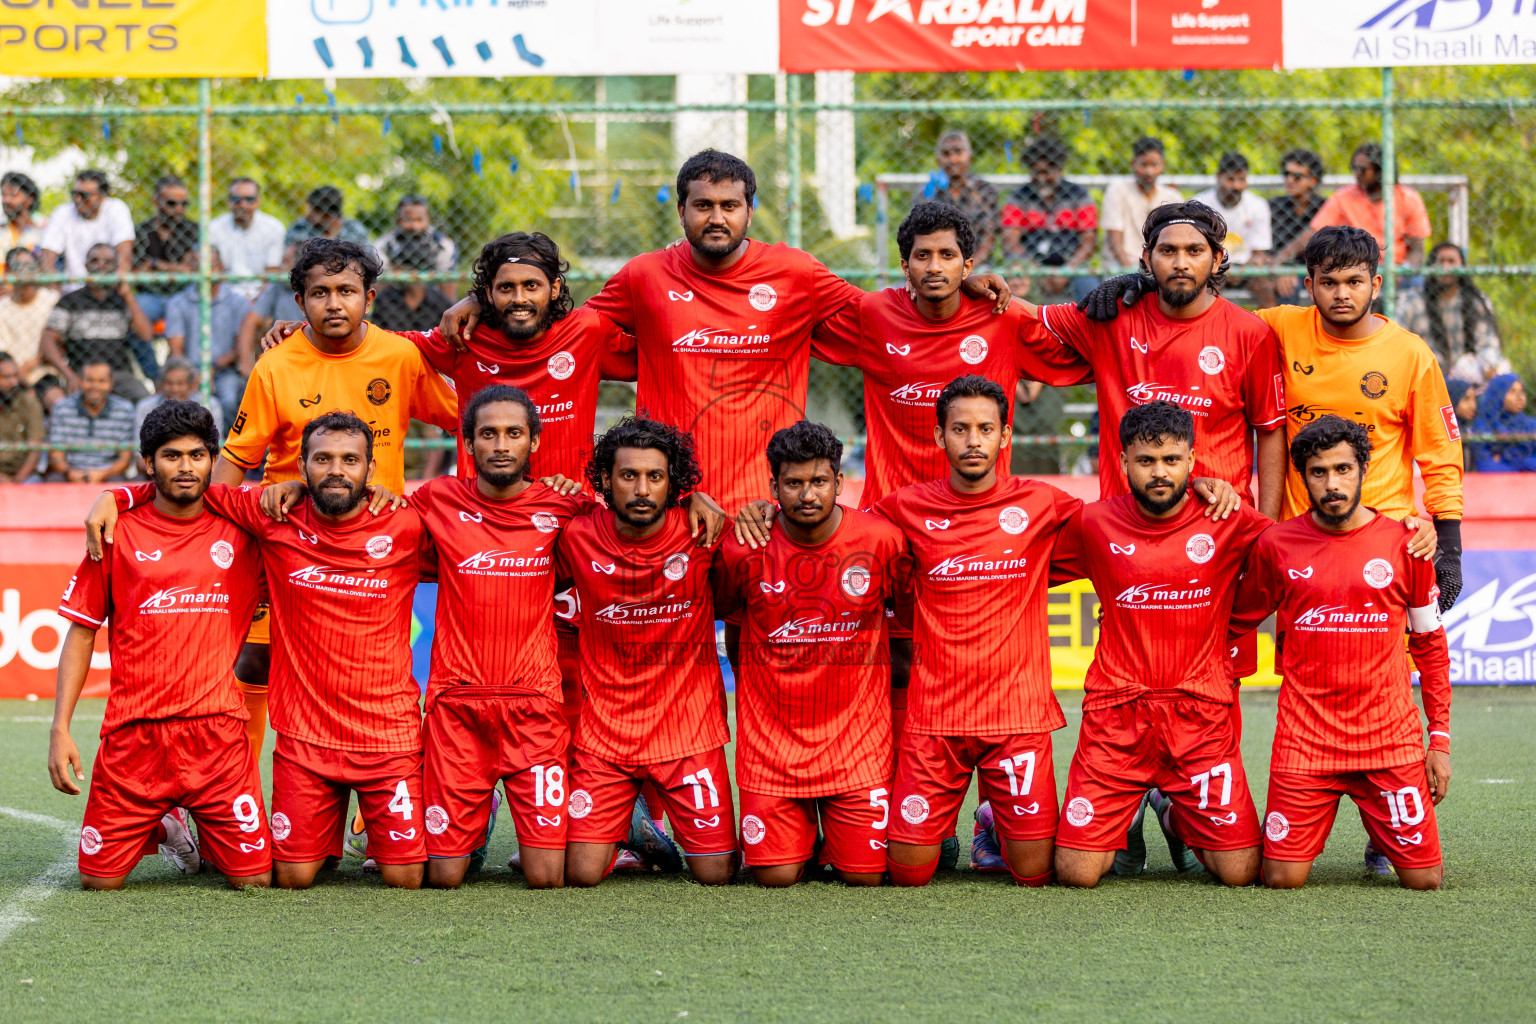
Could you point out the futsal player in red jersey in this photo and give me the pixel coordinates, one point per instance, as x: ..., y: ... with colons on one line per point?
x: 176, y: 592
x: 655, y: 707
x: 1343, y: 580
x: 343, y: 703
x: 1156, y: 695
x: 812, y: 706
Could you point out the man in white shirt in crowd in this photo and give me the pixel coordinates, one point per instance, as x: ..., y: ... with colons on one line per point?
x: 92, y: 217
x: 249, y: 241
x: 1247, y: 216
x: 1127, y: 203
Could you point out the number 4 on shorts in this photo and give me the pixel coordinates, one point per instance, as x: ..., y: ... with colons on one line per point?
x: 401, y: 803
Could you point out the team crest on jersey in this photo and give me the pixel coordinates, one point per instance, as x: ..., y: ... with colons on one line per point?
x: 762, y: 297
x: 1378, y: 572
x: 1013, y: 520
x: 545, y: 522
x: 676, y: 567
x: 1276, y: 826
x: 1200, y: 548
x: 1212, y: 359
x: 1373, y: 384
x: 380, y: 546
x: 561, y: 365
x: 753, y: 830
x: 378, y: 391
x: 281, y: 826
x: 856, y: 580
x: 90, y: 841
x: 914, y: 810
x: 437, y: 820
x: 973, y: 348
x: 580, y: 804
x: 222, y: 553
x: 1079, y: 811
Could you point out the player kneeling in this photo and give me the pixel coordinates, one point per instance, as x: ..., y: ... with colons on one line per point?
x: 1342, y: 577
x: 176, y: 591
x: 813, y: 709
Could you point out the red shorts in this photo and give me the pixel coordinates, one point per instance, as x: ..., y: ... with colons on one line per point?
x: 1394, y: 807
x: 310, y: 791
x: 1183, y: 746
x: 695, y: 792
x: 472, y: 742
x: 145, y: 768
x: 933, y: 774
x: 782, y: 829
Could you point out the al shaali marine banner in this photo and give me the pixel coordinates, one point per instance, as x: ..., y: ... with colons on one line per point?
x: 1404, y: 33
x: 132, y: 38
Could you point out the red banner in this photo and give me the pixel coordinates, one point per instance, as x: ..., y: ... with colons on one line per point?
x: 1027, y: 35
x: 32, y: 632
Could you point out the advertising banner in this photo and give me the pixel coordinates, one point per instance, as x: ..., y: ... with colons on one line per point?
x: 1027, y: 35
x: 142, y: 39
x: 32, y: 633
x: 491, y: 39
x: 1492, y: 628
x: 1403, y: 33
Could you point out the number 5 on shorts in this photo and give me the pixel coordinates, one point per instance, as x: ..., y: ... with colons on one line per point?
x: 877, y: 800
x: 401, y: 802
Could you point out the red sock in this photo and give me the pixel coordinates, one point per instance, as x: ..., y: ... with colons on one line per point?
x: 898, y: 715
x: 1036, y: 881
x: 901, y: 874
x: 652, y: 799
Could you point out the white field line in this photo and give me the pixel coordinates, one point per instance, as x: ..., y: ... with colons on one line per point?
x: 17, y: 910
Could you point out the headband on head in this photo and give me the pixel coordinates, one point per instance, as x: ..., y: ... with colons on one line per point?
x: 513, y: 259
x: 1181, y: 220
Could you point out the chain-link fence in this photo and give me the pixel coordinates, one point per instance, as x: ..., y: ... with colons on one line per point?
x: 840, y: 158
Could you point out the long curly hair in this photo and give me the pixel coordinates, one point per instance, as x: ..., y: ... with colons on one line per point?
x: 535, y: 248
x: 683, y: 473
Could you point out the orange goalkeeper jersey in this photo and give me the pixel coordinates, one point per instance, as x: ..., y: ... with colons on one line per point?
x: 1391, y: 383
x: 386, y: 382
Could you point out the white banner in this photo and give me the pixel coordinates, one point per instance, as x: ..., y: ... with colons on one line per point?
x: 1403, y: 33
x: 500, y: 38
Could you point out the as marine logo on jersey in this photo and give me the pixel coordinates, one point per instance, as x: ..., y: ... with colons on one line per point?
x: 378, y: 391
x: 1013, y: 520
x: 973, y: 349
x: 1378, y: 572
x: 1373, y: 384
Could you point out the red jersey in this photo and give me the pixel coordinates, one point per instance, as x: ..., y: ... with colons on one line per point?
x: 1166, y: 587
x: 560, y: 372
x: 648, y: 661
x: 981, y: 566
x: 341, y: 620
x: 494, y: 562
x: 724, y: 354
x: 1346, y: 702
x: 1223, y: 366
x: 813, y: 704
x: 179, y: 594
x: 907, y: 359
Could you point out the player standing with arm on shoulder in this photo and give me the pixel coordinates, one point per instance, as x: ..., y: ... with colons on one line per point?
x: 1342, y: 579
x: 176, y: 593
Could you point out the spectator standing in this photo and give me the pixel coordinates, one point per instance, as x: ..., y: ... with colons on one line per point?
x: 1127, y: 203
x: 93, y: 216
x: 415, y: 237
x: 323, y: 218
x: 1289, y: 216
x: 1247, y: 216
x: 1360, y: 205
x: 94, y: 416
x: 1456, y: 319
x: 248, y: 240
x: 227, y: 313
x: 18, y: 199
x: 954, y: 184
x: 95, y: 323
x: 178, y: 383
x: 24, y: 313
x: 165, y: 244
x: 21, y: 422
x: 1501, y: 410
x: 411, y: 306
x: 1048, y: 217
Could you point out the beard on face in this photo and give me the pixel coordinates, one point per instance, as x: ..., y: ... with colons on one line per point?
x: 1364, y: 312
x: 1179, y: 294
x: 500, y: 479
x: 332, y: 502
x: 524, y: 330
x: 639, y: 512
x: 1335, y: 520
x: 977, y: 473
x: 165, y: 486
x: 715, y: 244
x: 1158, y: 506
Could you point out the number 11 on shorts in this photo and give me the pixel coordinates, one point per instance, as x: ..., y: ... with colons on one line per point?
x: 699, y: 780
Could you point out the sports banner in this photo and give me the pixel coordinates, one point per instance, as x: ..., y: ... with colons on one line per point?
x: 32, y: 633
x: 143, y: 39
x: 1027, y: 35
x: 1492, y: 628
x: 1402, y: 33
x: 499, y: 38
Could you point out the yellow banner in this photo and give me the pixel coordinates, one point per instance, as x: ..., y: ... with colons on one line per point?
x: 133, y: 38
x: 1074, y: 629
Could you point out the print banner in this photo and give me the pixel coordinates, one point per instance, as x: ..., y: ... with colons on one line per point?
x: 1403, y: 33
x: 137, y: 39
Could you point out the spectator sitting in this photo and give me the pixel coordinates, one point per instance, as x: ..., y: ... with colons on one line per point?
x: 50, y: 392
x: 19, y: 198
x: 21, y: 421
x: 178, y: 383
x: 230, y: 350
x: 1464, y: 401
x: 1360, y: 205
x: 1501, y: 410
x: 1046, y: 289
x: 94, y: 323
x: 413, y: 235
x: 1127, y: 203
x: 1455, y: 319
x: 24, y: 313
x: 95, y: 415
x: 1247, y: 216
x: 954, y: 184
x: 1289, y: 216
x: 411, y: 306
x: 93, y: 217
x: 1049, y: 217
x: 323, y: 218
x: 248, y: 240
x: 165, y: 244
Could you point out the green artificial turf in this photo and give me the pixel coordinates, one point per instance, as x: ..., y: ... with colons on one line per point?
x: 1349, y: 947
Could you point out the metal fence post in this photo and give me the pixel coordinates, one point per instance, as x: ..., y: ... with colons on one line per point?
x: 793, y: 156
x: 1388, y: 193
x: 204, y: 246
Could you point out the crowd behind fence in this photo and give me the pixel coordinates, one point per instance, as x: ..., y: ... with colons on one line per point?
x: 429, y: 171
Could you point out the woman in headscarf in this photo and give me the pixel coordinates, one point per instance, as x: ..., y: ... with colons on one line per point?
x: 1501, y: 410
x: 1464, y: 401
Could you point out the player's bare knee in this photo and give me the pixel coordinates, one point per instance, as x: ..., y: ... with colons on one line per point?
x: 1423, y: 879
x: 97, y: 884
x: 1234, y: 867
x: 403, y: 876
x: 713, y: 870
x: 777, y: 876
x: 862, y: 879
x: 1284, y: 874
x: 261, y: 881
x: 447, y: 874
x: 1077, y: 875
